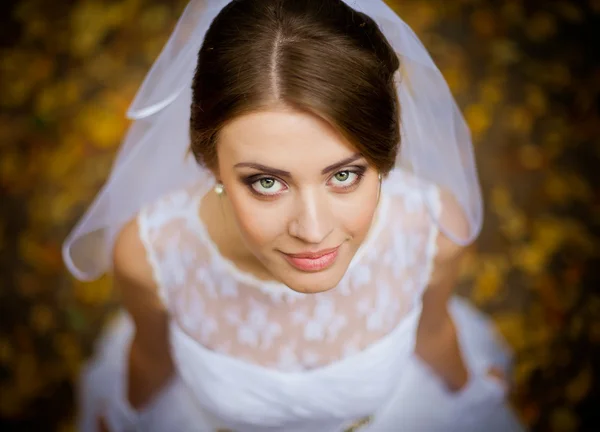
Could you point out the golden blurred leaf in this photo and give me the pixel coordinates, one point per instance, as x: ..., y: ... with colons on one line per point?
x: 456, y: 79
x: 530, y: 413
x: 93, y: 293
x: 513, y: 221
x: 10, y: 403
x: 564, y: 420
x: 67, y: 347
x: 554, y: 144
x: 557, y: 188
x: 40, y: 255
x: 535, y: 98
x: 512, y: 326
x: 513, y: 12
x: 520, y: 120
x: 421, y: 15
x: 555, y: 74
x: 483, y: 22
x: 564, y: 187
x: 104, y: 66
x: 67, y: 426
x: 523, y: 370
x: 513, y: 224
x: 151, y: 47
x: 491, y: 92
x: 531, y: 258
x: 541, y: 334
x: 28, y: 285
x: 490, y: 279
x: 505, y: 52
x: 57, y: 96
x: 6, y: 351
x: 42, y: 318
x: 10, y: 166
x: 36, y: 27
x: 541, y: 27
x: 581, y: 385
x: 479, y: 118
x: 89, y: 25
x: 154, y: 18
x: 570, y: 11
x: 10, y: 130
x: 500, y: 199
x: 64, y: 158
x: 16, y: 94
x: 62, y: 206
x: 550, y: 233
x: 27, y: 379
x: 104, y: 127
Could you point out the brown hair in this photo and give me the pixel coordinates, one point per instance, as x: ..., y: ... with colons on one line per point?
x: 320, y: 56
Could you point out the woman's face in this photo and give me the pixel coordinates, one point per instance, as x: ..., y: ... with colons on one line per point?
x: 302, y: 196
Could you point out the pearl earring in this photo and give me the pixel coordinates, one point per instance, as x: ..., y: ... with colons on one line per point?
x: 219, y: 188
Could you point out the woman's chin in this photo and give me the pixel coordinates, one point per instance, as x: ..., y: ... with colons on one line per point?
x: 313, y: 283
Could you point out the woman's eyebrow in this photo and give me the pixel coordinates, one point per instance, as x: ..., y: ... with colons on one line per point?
x: 281, y: 173
x: 264, y: 168
x: 341, y: 163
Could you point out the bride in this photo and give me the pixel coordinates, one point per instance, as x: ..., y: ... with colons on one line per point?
x: 284, y: 223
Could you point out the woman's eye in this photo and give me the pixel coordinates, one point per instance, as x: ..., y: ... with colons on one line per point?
x: 344, y: 178
x: 267, y: 186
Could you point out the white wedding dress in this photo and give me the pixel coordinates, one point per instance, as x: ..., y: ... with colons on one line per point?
x: 255, y: 356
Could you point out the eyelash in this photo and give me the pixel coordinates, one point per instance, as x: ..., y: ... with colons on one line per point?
x: 359, y: 171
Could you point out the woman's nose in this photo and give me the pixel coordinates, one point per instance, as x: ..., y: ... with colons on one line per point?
x: 312, y: 220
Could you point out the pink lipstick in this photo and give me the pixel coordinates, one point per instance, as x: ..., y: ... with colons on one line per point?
x: 313, y: 261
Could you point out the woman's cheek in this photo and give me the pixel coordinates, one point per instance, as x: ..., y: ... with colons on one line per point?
x: 259, y: 222
x: 356, y: 215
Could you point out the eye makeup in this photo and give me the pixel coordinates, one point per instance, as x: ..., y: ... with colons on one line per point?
x: 269, y: 186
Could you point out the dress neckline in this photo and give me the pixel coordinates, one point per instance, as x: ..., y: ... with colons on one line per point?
x: 272, y: 287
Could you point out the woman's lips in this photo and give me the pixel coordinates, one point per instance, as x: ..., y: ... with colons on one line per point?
x: 313, y: 261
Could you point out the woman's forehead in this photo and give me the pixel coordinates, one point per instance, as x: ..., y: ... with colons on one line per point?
x: 284, y: 139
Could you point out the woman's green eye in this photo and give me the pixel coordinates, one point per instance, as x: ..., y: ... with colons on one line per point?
x: 267, y: 186
x: 342, y: 176
x: 267, y: 183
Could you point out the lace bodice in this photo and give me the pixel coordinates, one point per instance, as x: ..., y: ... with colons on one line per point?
x: 232, y: 312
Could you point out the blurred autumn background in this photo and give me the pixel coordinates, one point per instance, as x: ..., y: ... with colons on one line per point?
x: 526, y: 74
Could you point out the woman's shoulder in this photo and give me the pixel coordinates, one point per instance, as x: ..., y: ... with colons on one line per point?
x: 134, y: 244
x: 414, y: 201
x: 130, y: 261
x: 414, y: 191
x: 422, y: 206
x: 171, y: 204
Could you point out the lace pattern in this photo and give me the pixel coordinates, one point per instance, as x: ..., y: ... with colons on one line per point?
x: 233, y: 313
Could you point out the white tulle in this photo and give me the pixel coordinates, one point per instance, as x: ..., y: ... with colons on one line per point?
x: 152, y: 161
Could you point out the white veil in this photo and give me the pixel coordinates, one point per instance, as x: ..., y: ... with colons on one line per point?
x: 436, y: 142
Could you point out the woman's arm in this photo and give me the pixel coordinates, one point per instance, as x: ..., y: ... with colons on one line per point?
x: 437, y: 342
x: 150, y: 362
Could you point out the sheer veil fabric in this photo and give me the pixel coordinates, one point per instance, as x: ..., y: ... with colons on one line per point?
x: 153, y: 159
